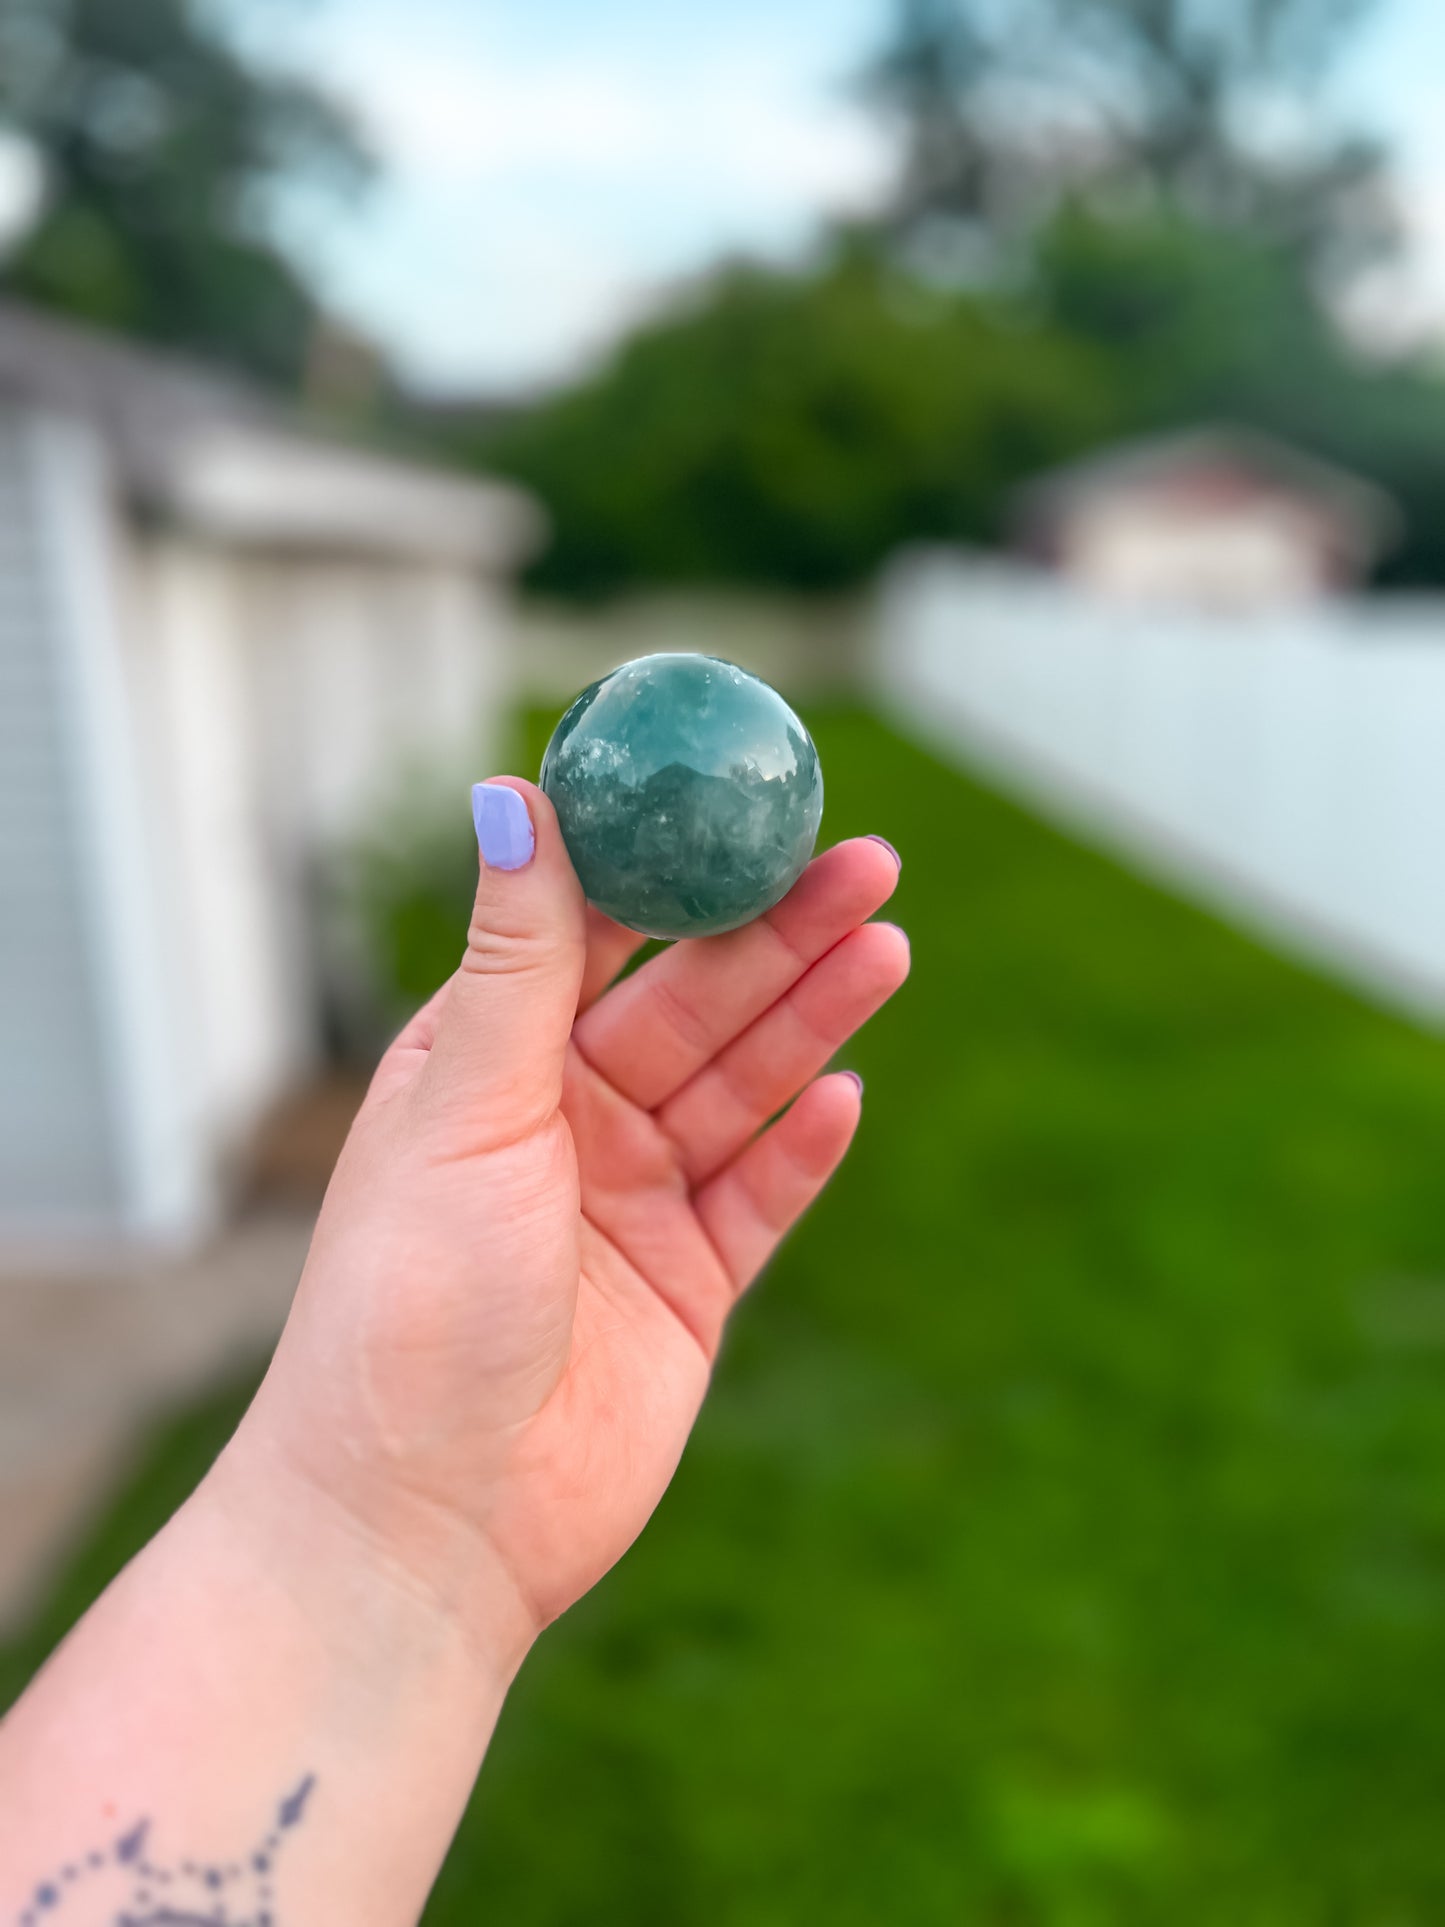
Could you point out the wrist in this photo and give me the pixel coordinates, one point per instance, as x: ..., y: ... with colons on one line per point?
x: 402, y: 1584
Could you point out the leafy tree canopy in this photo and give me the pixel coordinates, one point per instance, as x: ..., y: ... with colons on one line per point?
x: 1113, y: 217
x: 1213, y: 106
x: 796, y: 427
x: 163, y: 147
x: 1214, y: 324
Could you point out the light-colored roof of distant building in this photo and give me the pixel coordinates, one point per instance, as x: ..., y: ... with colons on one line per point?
x: 1366, y: 514
x: 209, y: 450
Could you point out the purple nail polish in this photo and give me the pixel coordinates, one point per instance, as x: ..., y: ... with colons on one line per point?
x: 853, y: 1074
x: 504, y: 828
x: 888, y: 847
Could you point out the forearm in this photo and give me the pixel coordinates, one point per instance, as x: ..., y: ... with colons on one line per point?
x: 260, y: 1714
x: 506, y: 1326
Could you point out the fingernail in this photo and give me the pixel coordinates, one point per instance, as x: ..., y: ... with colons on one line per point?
x: 504, y: 829
x: 853, y: 1074
x: 889, y: 848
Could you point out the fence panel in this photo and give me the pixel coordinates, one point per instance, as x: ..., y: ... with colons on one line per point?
x: 1288, y: 768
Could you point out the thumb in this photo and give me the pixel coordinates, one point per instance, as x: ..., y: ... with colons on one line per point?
x: 501, y: 1040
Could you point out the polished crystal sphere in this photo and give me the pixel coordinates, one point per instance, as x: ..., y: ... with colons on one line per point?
x: 688, y: 792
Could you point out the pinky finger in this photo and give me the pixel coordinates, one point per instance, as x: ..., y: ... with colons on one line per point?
x: 747, y: 1208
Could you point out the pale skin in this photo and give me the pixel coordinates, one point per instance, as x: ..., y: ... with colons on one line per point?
x: 551, y: 1201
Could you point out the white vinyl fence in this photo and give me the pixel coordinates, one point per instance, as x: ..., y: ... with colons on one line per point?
x: 1288, y: 769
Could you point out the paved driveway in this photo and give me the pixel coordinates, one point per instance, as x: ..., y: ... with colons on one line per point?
x: 88, y: 1356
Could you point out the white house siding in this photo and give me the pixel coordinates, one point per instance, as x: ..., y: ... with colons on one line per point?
x: 1247, y: 555
x: 278, y: 697
x: 1286, y: 767
x: 221, y: 643
x: 232, y: 1003
x: 362, y: 670
x: 90, y: 1140
x: 57, y: 1158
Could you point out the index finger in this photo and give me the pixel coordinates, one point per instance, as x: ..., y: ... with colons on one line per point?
x: 609, y: 946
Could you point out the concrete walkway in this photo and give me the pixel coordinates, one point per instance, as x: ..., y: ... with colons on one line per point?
x: 86, y: 1360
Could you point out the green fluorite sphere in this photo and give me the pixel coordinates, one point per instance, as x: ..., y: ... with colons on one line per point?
x: 688, y: 792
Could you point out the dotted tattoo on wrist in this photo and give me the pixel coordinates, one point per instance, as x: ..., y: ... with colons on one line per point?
x: 185, y: 1893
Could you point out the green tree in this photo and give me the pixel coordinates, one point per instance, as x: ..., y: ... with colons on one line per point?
x: 1214, y: 108
x: 1208, y: 323
x: 795, y: 428
x: 163, y: 147
x: 1200, y: 321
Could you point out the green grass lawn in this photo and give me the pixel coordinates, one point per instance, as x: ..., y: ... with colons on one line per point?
x: 1063, y: 1541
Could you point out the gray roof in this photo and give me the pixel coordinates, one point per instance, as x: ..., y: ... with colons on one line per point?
x: 202, y: 446
x: 144, y: 403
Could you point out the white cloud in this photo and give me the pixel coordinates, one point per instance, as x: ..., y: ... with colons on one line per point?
x: 816, y: 154
x: 521, y: 305
x: 442, y: 112
x: 1401, y: 304
x: 535, y: 201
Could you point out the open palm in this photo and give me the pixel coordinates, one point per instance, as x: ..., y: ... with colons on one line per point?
x: 553, y: 1197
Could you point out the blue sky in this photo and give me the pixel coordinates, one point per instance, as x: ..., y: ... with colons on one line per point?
x: 551, y: 165
x: 550, y: 168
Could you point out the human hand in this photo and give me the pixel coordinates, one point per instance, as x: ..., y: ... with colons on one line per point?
x: 548, y: 1205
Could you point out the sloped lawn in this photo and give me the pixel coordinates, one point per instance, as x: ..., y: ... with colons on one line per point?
x: 1065, y: 1540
